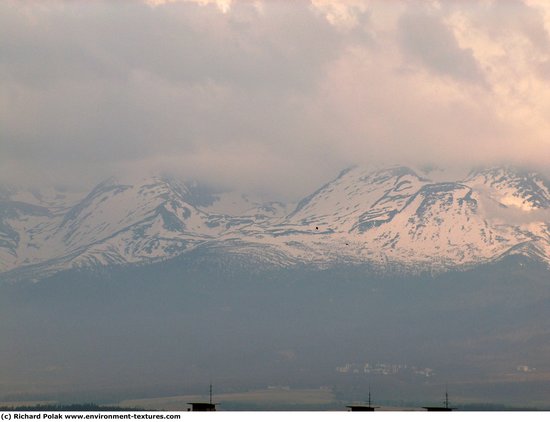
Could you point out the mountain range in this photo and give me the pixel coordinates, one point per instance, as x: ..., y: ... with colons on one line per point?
x: 151, y: 287
x: 395, y: 218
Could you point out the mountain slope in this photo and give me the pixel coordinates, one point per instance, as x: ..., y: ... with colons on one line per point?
x: 387, y: 218
x: 395, y: 217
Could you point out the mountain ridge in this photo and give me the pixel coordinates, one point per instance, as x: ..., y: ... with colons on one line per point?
x: 385, y: 217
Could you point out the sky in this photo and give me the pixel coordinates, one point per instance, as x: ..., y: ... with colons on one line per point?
x: 269, y: 96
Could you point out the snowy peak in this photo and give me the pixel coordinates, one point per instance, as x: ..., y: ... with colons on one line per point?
x: 437, y: 203
x: 439, y: 222
x: 111, y: 207
x: 399, y: 185
x: 115, y: 223
x: 388, y: 218
x: 512, y: 187
x: 358, y: 199
x: 395, y: 216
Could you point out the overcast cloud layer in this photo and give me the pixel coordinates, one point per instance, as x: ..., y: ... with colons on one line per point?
x: 272, y: 96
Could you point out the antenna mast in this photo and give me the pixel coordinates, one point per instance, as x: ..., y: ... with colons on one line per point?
x: 369, y: 396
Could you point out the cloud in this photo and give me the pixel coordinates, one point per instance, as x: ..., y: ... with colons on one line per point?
x: 272, y: 96
x: 223, y: 5
x: 346, y: 14
x: 425, y: 38
x: 511, y: 210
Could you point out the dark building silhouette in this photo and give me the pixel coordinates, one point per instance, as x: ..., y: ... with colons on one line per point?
x: 203, y: 406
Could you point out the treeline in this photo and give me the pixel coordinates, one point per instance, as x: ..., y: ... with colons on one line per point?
x: 84, y: 407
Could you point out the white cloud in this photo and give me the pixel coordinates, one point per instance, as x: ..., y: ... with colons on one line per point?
x: 223, y: 5
x: 342, y: 13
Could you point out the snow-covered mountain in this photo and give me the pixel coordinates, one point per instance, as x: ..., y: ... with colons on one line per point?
x: 386, y: 218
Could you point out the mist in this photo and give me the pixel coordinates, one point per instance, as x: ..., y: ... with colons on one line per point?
x: 171, y: 328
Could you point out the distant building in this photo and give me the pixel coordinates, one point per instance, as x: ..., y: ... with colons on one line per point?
x: 204, y: 406
x: 361, y: 408
x: 438, y: 409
